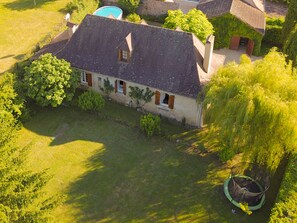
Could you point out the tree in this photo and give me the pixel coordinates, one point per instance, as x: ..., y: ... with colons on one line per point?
x: 108, y: 88
x: 21, y: 199
x: 129, y: 6
x: 251, y: 108
x: 50, y: 81
x: 194, y: 21
x: 135, y: 18
x: 290, y: 48
x: 10, y: 107
x: 140, y: 97
x: 290, y: 21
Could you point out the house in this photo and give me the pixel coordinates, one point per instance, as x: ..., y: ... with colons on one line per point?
x: 173, y: 64
x: 237, y: 23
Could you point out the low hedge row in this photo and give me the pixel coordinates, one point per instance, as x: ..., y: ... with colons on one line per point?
x: 273, y: 32
x: 285, y: 208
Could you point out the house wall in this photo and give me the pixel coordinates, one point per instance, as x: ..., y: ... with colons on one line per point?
x: 184, y: 107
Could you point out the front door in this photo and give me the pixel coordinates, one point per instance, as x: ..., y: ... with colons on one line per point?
x: 250, y: 47
x: 234, y: 44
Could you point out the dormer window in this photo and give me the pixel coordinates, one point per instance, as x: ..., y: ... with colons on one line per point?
x: 124, y: 55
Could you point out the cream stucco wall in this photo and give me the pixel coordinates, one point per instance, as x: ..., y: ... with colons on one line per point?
x: 184, y: 107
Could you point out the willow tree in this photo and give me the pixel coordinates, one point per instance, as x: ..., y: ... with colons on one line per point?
x: 252, y: 108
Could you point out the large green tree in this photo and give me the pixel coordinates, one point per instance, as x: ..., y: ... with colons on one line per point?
x: 21, y: 199
x: 50, y: 81
x: 194, y: 21
x: 290, y: 48
x: 252, y: 108
x: 290, y: 21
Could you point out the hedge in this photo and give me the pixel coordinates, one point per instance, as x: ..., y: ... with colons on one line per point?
x: 273, y: 33
x: 227, y: 26
x: 285, y: 208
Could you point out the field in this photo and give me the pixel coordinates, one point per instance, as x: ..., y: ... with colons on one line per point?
x: 109, y: 171
x: 23, y: 26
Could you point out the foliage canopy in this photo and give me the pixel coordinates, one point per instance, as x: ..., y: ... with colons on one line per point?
x: 129, y: 6
x: 91, y: 100
x: 290, y: 47
x: 20, y: 189
x: 290, y: 21
x: 139, y: 96
x: 252, y: 108
x: 194, y: 21
x: 50, y: 80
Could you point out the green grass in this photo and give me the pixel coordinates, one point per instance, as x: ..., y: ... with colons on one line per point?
x: 110, y: 172
x: 23, y: 26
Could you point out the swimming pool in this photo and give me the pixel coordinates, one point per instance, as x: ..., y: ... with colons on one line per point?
x: 107, y: 11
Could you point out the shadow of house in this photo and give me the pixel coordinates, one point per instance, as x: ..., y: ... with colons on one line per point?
x: 20, y: 5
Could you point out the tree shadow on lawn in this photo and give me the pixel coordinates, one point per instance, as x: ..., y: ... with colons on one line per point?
x: 20, y: 5
x: 141, y: 179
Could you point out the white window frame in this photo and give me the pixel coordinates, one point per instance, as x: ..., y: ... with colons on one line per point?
x: 99, y: 79
x: 124, y: 55
x: 120, y: 86
x: 83, y: 77
x: 162, y: 97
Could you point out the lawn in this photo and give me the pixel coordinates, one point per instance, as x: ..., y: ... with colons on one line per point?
x: 110, y: 172
x: 22, y: 26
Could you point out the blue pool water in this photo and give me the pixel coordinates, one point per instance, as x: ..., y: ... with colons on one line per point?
x: 106, y: 11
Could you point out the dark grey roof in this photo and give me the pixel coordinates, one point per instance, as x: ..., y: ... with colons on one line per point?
x: 247, y: 13
x: 161, y: 58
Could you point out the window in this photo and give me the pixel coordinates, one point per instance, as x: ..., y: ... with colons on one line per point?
x: 164, y: 99
x: 99, y: 82
x: 83, y: 77
x: 120, y: 86
x: 124, y: 55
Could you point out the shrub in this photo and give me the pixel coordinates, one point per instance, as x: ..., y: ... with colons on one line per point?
x: 150, y: 124
x: 108, y: 88
x: 70, y: 7
x: 129, y: 6
x: 91, y: 101
x: 134, y: 18
x: 226, y: 154
x: 152, y: 18
x: 273, y: 33
x: 285, y: 208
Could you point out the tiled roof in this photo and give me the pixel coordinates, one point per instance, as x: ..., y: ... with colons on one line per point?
x: 247, y: 13
x: 161, y: 58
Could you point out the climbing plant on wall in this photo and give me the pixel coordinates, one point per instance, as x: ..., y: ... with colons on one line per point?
x: 228, y: 25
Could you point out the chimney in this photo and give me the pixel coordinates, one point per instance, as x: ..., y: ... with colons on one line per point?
x: 208, y: 53
x: 71, y: 28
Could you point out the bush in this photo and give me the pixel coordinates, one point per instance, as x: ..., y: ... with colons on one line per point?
x: 152, y: 18
x: 135, y: 18
x: 150, y: 124
x: 273, y: 33
x: 70, y: 7
x: 129, y: 6
x: 226, y: 154
x: 285, y: 208
x: 91, y: 101
x: 281, y: 1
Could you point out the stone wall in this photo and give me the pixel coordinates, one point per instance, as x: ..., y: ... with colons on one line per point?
x: 156, y: 8
x: 184, y: 107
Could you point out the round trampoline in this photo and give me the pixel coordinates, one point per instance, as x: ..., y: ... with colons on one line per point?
x: 247, y: 184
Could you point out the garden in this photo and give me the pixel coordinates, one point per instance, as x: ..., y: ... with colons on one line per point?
x: 108, y: 170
